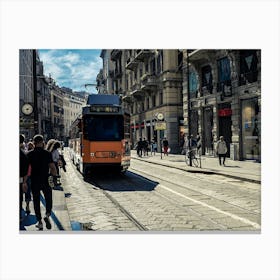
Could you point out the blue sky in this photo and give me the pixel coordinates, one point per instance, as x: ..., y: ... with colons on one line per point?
x: 72, y: 68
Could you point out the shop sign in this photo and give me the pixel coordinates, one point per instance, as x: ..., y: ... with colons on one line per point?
x: 225, y: 112
x: 160, y: 125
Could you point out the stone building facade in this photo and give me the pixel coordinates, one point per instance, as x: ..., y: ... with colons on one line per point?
x: 150, y: 82
x: 222, y: 90
x: 26, y: 91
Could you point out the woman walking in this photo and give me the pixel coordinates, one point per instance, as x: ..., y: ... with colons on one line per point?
x: 221, y: 150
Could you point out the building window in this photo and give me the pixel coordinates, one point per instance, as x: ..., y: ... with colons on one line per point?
x: 146, y: 67
x: 148, y: 103
x: 154, y: 100
x: 143, y: 106
x: 158, y: 64
x: 248, y: 66
x: 160, y: 98
x: 141, y: 70
x: 153, y: 66
x: 193, y: 84
x: 224, y: 80
x: 207, y: 79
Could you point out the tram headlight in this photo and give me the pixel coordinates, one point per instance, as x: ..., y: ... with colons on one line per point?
x: 92, y: 154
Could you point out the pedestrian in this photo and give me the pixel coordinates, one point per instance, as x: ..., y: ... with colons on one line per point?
x: 41, y: 163
x: 145, y: 147
x: 23, y: 173
x: 165, y: 145
x: 53, y: 147
x: 221, y: 150
x: 140, y: 147
x: 153, y: 147
x: 30, y: 147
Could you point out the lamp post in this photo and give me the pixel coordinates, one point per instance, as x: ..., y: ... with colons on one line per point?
x: 189, y: 107
x: 36, y: 131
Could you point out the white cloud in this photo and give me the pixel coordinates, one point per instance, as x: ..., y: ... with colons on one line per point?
x: 71, y: 69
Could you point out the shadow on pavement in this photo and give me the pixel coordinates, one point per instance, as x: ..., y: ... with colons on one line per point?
x: 121, y: 182
x: 28, y: 221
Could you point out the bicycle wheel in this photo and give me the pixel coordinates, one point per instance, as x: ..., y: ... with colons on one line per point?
x: 195, y: 162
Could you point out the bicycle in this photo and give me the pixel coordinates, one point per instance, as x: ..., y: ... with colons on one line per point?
x: 192, y: 155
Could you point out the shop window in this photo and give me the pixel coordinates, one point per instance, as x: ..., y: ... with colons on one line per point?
x: 251, y: 129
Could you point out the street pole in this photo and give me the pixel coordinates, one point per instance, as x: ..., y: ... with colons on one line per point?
x: 189, y: 107
x: 35, y: 93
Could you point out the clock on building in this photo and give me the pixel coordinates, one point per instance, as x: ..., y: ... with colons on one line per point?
x: 160, y: 116
x: 27, y: 109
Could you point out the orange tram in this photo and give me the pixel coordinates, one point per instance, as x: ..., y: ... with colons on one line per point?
x: 100, y: 136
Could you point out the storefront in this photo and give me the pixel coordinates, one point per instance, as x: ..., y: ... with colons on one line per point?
x: 251, y: 129
x: 225, y: 123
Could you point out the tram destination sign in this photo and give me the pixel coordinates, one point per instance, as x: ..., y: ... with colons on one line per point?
x: 104, y: 109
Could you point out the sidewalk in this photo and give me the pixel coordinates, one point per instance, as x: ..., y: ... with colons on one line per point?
x: 59, y: 218
x: 242, y: 170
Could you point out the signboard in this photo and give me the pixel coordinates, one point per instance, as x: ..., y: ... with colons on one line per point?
x: 225, y: 112
x: 160, y: 125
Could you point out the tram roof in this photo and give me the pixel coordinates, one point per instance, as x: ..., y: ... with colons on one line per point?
x: 103, y: 99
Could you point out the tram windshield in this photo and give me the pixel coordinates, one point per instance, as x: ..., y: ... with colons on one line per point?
x: 103, y: 128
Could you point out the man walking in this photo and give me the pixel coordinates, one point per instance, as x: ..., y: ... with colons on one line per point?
x: 41, y: 162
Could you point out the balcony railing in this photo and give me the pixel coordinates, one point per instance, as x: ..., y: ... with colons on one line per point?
x: 131, y: 63
x: 127, y: 98
x: 142, y: 54
x: 148, y: 82
x: 136, y: 91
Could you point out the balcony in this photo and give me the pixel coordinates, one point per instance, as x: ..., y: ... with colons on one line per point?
x: 141, y: 55
x: 127, y: 98
x: 131, y: 63
x: 137, y: 92
x: 149, y: 82
x: 115, y: 54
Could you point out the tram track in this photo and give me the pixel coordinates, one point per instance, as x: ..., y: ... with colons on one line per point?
x: 192, y: 189
x: 116, y: 190
x: 128, y: 215
x: 148, y: 176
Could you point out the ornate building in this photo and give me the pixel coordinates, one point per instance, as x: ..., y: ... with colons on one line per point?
x: 222, y: 96
x: 150, y: 82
